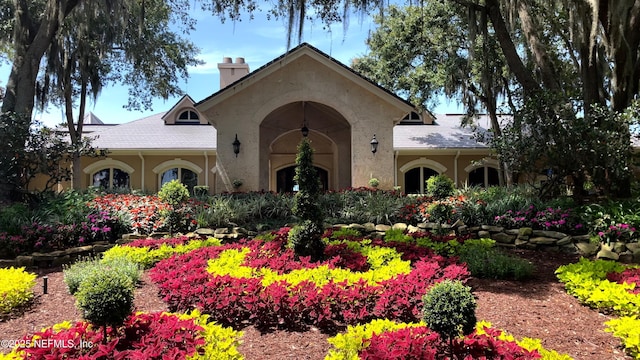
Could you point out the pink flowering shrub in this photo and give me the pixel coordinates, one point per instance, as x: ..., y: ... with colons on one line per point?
x: 545, y: 219
x: 629, y: 276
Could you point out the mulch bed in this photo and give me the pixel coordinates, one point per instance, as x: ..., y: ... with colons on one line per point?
x: 538, y: 308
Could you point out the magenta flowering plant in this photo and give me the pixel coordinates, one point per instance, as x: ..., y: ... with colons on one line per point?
x: 617, y: 232
x: 555, y: 219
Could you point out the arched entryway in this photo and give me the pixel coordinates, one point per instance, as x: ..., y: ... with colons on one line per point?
x: 330, y: 137
x: 285, y: 182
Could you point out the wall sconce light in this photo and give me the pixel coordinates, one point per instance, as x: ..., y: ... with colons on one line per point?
x: 304, y: 129
x: 236, y: 146
x: 374, y: 144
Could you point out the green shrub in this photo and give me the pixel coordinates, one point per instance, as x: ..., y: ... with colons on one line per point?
x: 450, y: 309
x: 16, y: 288
x: 374, y: 183
x: 397, y: 235
x: 201, y: 191
x: 485, y: 261
x: 627, y: 329
x: 306, y: 206
x: 146, y: 257
x: 440, y: 186
x: 76, y: 273
x: 174, y: 193
x: 105, y: 298
x: 306, y: 240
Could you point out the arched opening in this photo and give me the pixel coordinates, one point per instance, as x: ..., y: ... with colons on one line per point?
x: 330, y: 136
x: 285, y: 182
x: 415, y: 179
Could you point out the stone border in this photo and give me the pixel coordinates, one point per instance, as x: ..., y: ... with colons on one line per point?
x: 522, y: 238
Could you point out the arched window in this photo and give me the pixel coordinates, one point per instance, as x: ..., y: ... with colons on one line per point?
x: 109, y: 174
x: 188, y: 117
x: 178, y: 169
x: 416, y: 178
x: 111, y: 178
x: 417, y: 172
x: 186, y: 176
x: 484, y: 175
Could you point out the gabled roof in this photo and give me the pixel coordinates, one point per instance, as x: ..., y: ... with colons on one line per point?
x: 151, y: 133
x: 296, y: 52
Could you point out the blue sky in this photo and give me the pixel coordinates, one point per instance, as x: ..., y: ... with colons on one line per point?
x: 258, y: 40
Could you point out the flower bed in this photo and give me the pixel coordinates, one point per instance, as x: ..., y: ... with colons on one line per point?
x: 611, y: 287
x: 260, y: 282
x: 16, y: 288
x: 143, y: 336
x: 385, y: 339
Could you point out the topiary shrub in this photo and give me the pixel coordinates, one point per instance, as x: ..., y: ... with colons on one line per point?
x: 440, y: 186
x: 450, y: 309
x: 306, y: 240
x: 174, y: 193
x: 76, y: 273
x: 105, y: 298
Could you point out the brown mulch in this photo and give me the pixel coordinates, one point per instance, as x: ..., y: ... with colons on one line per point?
x: 538, y: 308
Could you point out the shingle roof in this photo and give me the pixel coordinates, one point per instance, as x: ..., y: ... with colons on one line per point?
x: 152, y: 133
x: 445, y: 133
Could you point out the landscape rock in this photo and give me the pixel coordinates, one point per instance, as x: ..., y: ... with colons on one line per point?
x: 492, y: 228
x: 205, y: 232
x: 605, y: 253
x: 542, y: 240
x: 549, y: 234
x: 382, y: 227
x: 482, y: 234
x: 400, y: 226
x: 564, y: 241
x: 525, y: 231
x: 503, y: 238
x: 587, y: 248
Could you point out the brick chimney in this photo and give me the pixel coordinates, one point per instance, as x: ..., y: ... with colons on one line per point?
x: 230, y: 72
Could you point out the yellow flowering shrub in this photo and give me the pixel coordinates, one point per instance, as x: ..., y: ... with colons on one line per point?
x: 16, y: 288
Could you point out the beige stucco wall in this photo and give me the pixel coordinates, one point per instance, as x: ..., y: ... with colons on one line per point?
x: 437, y: 161
x: 304, y: 79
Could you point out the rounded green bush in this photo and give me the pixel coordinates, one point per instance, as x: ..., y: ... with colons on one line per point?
x: 440, y: 186
x: 450, y: 309
x: 174, y: 193
x: 106, y: 297
x: 76, y: 273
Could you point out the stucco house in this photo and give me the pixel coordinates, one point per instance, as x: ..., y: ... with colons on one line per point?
x: 249, y: 130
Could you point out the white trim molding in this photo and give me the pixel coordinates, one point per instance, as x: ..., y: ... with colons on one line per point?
x: 424, y: 162
x: 177, y: 163
x: 108, y: 163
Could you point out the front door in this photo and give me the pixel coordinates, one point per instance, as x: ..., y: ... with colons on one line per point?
x: 285, y: 182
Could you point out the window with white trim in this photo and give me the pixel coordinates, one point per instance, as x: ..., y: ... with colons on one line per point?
x: 188, y: 117
x: 484, y: 176
x: 111, y: 178
x: 416, y: 178
x: 186, y: 176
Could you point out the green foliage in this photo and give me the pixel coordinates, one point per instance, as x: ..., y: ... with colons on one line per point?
x: 362, y: 206
x: 450, y: 309
x: 347, y: 345
x: 76, y: 273
x: 201, y: 192
x: 30, y: 149
x: 374, y: 183
x: 105, y: 297
x: 174, y: 193
x: 546, y: 136
x: 627, y: 328
x: 13, y: 217
x: 306, y: 199
x: 485, y: 261
x: 440, y: 186
x: 587, y: 281
x: 219, y: 342
x: 306, y: 240
x: 146, y: 257
x: 16, y: 288
x: 397, y: 235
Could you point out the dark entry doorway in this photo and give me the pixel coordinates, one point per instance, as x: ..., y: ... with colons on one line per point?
x: 285, y: 181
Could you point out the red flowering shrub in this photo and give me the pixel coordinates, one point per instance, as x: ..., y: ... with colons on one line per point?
x: 185, y: 284
x: 629, y: 276
x: 143, y: 336
x: 421, y: 343
x: 156, y: 243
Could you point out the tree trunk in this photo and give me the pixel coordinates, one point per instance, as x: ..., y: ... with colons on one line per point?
x: 32, y: 35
